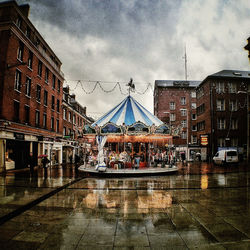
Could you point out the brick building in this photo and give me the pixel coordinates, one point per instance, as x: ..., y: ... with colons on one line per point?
x: 222, y: 103
x: 74, y: 121
x: 30, y: 91
x: 175, y: 104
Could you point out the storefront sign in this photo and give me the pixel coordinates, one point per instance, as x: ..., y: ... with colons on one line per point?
x: 204, y: 140
x: 19, y: 136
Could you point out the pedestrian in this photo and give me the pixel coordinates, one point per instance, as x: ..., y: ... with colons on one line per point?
x: 31, y: 163
x: 45, y: 161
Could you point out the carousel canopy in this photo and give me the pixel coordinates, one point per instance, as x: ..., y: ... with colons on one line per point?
x: 129, y: 111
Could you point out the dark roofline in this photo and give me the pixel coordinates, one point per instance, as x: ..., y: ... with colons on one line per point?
x: 176, y: 83
x: 232, y: 74
x: 21, y: 13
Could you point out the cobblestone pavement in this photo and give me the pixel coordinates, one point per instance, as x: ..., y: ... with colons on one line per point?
x: 202, y: 207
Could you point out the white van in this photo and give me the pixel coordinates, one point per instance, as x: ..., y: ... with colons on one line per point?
x: 226, y: 156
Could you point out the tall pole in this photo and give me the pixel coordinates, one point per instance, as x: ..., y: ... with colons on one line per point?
x: 185, y: 61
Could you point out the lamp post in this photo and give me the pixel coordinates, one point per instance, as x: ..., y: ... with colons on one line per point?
x: 247, y: 102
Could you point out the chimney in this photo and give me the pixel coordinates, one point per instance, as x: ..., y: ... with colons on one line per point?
x: 25, y: 8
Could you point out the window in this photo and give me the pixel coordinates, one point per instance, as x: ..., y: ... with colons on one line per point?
x: 64, y: 114
x: 200, y: 93
x: 37, y: 118
x: 69, y: 118
x: 64, y: 131
x: 27, y: 86
x: 40, y: 68
x: 27, y: 114
x: 19, y: 22
x: 194, y: 139
x: 183, y: 100
x: 38, y: 93
x: 59, y: 86
x: 233, y: 105
x: 20, y: 51
x: 58, y: 105
x: 234, y: 124
x: 234, y: 142
x: 18, y: 80
x: 231, y: 87
x: 193, y: 105
x: 69, y: 132
x: 52, y: 102
x: 46, y: 75
x: 201, y: 125
x: 52, y: 123
x: 28, y: 32
x: 201, y: 109
x: 221, y: 105
x: 45, y: 120
x: 57, y: 125
x: 193, y: 94
x: 194, y: 116
x: 53, y: 81
x: 172, y: 105
x: 194, y: 128
x: 221, y: 123
x: 183, y: 112
x: 183, y: 135
x: 184, y: 123
x: 220, y: 87
x: 30, y: 60
x: 45, y: 97
x: 74, y: 119
x: 16, y: 111
x: 172, y: 117
x: 221, y: 142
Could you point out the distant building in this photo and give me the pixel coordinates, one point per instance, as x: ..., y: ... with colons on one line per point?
x: 222, y: 111
x: 74, y: 121
x: 175, y: 104
x: 30, y: 91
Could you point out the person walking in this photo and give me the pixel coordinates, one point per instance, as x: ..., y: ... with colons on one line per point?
x: 31, y: 163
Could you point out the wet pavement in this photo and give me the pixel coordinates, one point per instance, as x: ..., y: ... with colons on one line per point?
x: 201, y: 207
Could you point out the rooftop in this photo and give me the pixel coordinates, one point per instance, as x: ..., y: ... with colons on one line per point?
x: 232, y: 74
x: 176, y: 83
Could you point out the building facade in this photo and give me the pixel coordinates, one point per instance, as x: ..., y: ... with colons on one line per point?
x: 30, y: 91
x: 222, y: 111
x: 175, y: 104
x: 74, y: 121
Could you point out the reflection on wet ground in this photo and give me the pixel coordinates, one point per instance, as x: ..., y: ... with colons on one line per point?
x: 194, y: 209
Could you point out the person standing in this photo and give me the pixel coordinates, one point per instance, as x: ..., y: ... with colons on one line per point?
x: 45, y: 161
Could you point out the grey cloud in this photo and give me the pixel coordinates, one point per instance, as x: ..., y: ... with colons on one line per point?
x: 114, y: 40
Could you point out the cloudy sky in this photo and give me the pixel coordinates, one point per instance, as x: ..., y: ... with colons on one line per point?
x: 113, y: 40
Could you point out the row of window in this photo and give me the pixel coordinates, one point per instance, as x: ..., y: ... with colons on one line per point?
x: 222, y: 142
x: 28, y: 87
x: 183, y: 113
x: 221, y: 105
x: 220, y: 88
x: 34, y: 39
x: 20, y: 54
x: 221, y: 124
x: 67, y: 116
x: 54, y: 126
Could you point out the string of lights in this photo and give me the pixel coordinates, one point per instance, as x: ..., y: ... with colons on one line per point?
x: 118, y: 85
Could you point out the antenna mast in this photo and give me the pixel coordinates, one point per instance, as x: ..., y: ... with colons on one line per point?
x: 185, y: 60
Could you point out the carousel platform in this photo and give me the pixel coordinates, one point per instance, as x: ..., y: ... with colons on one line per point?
x: 128, y: 172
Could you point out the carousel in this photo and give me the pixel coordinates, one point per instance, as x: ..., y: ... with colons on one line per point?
x: 129, y: 140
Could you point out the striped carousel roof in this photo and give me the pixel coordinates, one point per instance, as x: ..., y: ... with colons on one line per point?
x: 129, y: 111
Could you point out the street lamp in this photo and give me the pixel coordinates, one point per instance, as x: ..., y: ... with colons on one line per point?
x: 245, y: 92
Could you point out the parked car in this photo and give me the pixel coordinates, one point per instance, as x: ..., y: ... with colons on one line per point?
x: 226, y: 156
